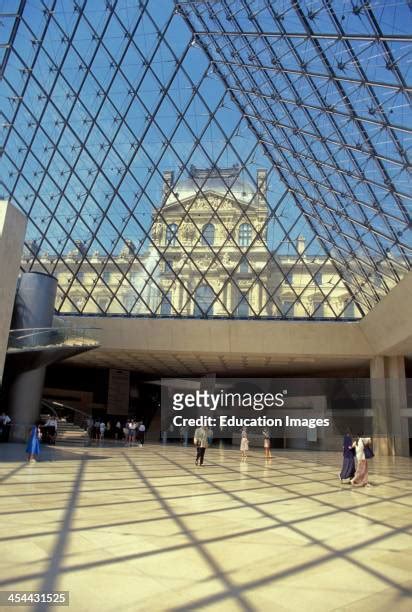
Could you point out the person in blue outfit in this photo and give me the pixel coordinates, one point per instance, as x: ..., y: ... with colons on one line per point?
x: 33, y: 444
x: 348, y: 467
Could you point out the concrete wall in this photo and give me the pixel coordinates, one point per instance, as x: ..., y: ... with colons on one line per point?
x: 386, y: 330
x: 12, y: 232
x: 288, y: 338
x: 388, y: 327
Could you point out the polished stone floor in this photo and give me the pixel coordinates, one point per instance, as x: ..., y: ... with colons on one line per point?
x: 144, y: 529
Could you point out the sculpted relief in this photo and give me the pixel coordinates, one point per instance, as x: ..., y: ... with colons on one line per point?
x: 157, y: 232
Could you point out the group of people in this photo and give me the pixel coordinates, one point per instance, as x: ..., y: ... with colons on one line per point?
x: 203, y: 438
x: 361, y: 448
x: 134, y: 432
x: 357, y: 475
x: 131, y: 431
x: 97, y: 429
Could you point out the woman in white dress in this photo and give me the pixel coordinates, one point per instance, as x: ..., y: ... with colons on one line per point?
x: 244, y: 445
x: 361, y: 475
x: 266, y: 444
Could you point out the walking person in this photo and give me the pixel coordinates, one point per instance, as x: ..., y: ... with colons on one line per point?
x: 33, y: 444
x: 131, y: 428
x: 51, y: 425
x: 363, y: 453
x: 141, y: 430
x: 89, y: 425
x: 200, y: 441
x: 102, y: 427
x: 96, y: 430
x: 118, y: 431
x: 266, y: 444
x: 348, y: 466
x: 244, y: 445
x: 5, y: 422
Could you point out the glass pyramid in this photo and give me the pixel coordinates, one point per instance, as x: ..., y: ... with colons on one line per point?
x: 241, y: 159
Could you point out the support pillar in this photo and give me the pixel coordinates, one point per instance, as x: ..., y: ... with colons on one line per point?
x: 398, y: 403
x: 33, y: 308
x: 12, y: 231
x: 388, y: 400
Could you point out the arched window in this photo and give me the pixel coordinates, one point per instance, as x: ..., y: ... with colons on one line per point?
x: 171, y: 234
x: 245, y: 234
x: 204, y: 297
x: 208, y: 234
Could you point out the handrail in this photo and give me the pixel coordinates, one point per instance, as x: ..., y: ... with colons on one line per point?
x: 38, y: 337
x: 48, y: 403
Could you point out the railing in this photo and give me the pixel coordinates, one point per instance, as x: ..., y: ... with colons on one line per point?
x: 60, y: 410
x: 41, y: 337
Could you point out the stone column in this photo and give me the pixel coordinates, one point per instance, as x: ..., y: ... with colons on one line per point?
x: 389, y: 399
x: 33, y: 308
x: 397, y: 401
x: 382, y: 440
x: 12, y: 231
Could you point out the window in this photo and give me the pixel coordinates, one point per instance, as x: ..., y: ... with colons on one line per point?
x: 289, y: 278
x: 287, y: 308
x: 318, y: 309
x: 168, y: 265
x: 166, y: 305
x: 102, y: 303
x: 244, y: 266
x: 318, y: 278
x: 349, y: 311
x: 134, y: 278
x: 129, y: 301
x: 377, y: 280
x: 106, y: 276
x: 245, y: 234
x: 242, y: 309
x: 204, y: 297
x: 171, y: 234
x: 208, y: 234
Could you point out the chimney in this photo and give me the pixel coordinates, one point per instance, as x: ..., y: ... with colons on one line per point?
x: 300, y: 244
x: 168, y: 180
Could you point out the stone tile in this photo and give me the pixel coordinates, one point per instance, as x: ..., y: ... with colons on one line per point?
x: 130, y: 530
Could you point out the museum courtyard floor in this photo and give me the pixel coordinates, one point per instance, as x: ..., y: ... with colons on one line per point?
x: 144, y: 529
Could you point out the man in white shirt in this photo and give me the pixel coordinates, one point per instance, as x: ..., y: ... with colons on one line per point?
x: 51, y: 425
x: 200, y: 441
x: 5, y: 421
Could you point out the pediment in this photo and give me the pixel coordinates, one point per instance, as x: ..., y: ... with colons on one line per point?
x: 214, y: 201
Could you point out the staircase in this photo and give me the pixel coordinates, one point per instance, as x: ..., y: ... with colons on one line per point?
x: 68, y: 434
